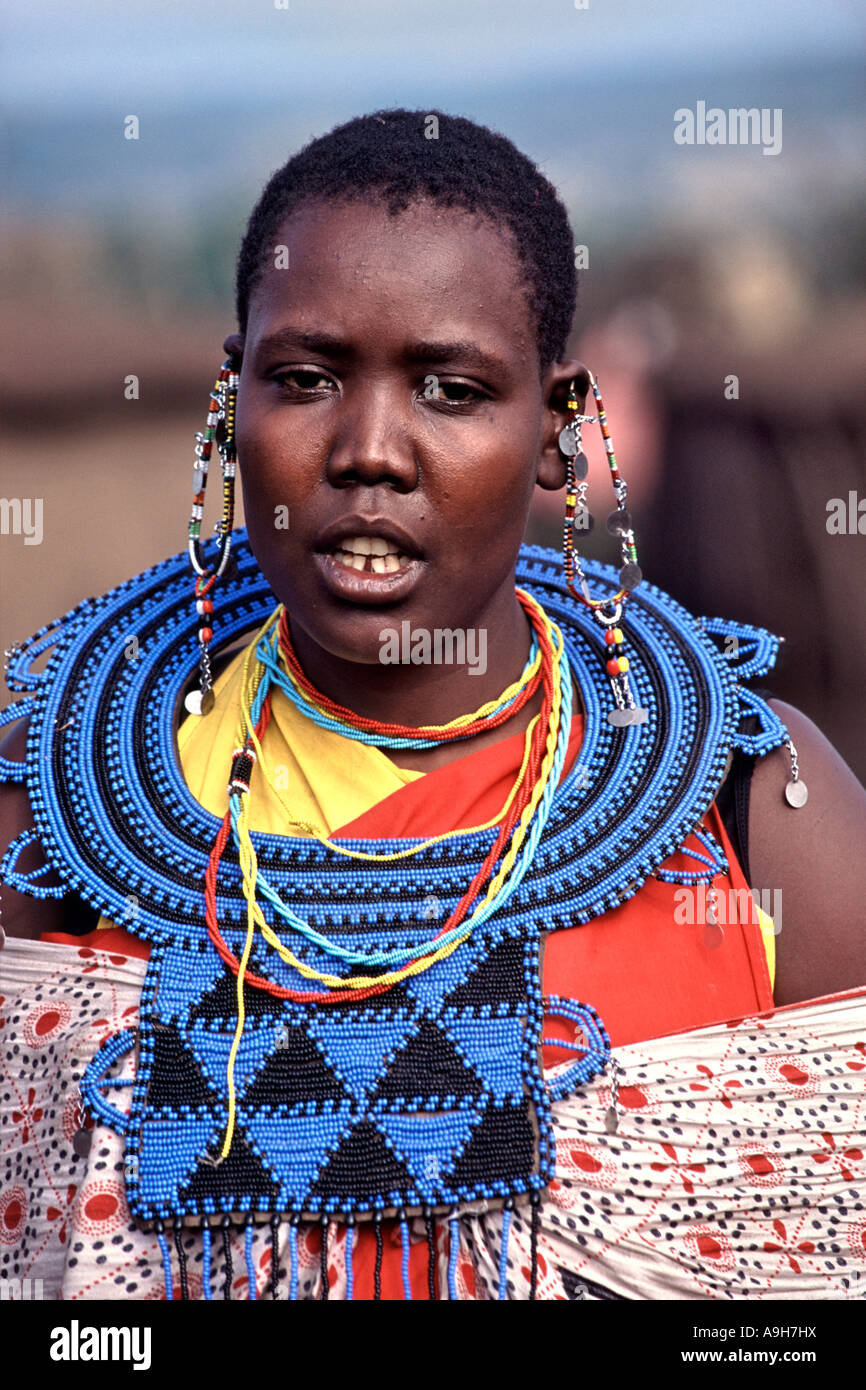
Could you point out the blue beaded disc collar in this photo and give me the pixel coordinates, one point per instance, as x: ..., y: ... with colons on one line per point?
x: 423, y: 1097
x: 115, y: 817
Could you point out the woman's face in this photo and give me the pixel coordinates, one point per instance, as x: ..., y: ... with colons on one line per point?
x: 390, y: 400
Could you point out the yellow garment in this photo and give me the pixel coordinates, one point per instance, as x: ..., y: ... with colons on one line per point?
x: 324, y: 777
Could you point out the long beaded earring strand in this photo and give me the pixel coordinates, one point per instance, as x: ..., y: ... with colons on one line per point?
x: 221, y: 411
x: 608, y: 611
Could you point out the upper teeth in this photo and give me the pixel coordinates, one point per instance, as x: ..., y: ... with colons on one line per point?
x: 369, y: 545
x: 371, y: 553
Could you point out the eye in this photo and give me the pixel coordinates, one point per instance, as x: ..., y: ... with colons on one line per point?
x: 446, y: 392
x: 301, y: 379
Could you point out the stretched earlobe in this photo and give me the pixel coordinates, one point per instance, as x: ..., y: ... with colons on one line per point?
x: 552, y: 468
x: 234, y: 345
x: 551, y: 474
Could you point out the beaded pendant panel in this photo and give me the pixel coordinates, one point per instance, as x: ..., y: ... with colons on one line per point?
x: 423, y: 1097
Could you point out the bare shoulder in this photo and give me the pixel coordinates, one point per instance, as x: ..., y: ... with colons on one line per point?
x: 21, y: 915
x: 813, y: 858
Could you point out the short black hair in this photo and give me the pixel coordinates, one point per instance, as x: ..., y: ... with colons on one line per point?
x: 389, y: 155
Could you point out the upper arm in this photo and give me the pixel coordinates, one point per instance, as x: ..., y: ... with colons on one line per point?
x: 21, y: 915
x: 812, y: 861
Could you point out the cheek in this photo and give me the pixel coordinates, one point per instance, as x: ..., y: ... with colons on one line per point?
x: 262, y: 436
x: 246, y: 420
x: 270, y: 467
x: 258, y: 454
x: 268, y: 511
x: 491, y: 500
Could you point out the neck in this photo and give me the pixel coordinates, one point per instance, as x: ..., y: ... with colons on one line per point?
x: 422, y: 694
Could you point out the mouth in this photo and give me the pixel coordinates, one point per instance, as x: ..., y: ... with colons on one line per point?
x: 370, y: 555
x: 375, y: 564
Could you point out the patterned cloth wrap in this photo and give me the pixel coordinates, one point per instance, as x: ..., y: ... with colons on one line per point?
x: 737, y: 1170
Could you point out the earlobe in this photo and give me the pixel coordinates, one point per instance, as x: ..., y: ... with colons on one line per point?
x: 551, y: 473
x: 234, y: 345
x: 551, y: 464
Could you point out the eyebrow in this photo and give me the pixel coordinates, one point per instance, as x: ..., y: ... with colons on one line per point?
x: 462, y: 350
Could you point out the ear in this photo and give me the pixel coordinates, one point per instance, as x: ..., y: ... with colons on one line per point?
x: 234, y: 345
x: 551, y: 464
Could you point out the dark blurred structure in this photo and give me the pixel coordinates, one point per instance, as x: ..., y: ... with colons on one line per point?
x: 738, y: 527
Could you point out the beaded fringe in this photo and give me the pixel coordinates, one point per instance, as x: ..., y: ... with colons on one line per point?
x: 211, y: 1292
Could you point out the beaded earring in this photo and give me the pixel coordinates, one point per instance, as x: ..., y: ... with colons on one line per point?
x: 220, y: 427
x: 607, y: 611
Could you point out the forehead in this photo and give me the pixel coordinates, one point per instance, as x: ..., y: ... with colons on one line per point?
x: 355, y: 261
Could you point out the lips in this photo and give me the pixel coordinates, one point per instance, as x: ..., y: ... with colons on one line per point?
x: 366, y: 586
x: 368, y: 560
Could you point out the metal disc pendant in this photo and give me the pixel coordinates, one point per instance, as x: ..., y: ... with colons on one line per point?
x: 82, y: 1141
x: 198, y: 703
x: 630, y: 576
x: 621, y: 718
x: 611, y: 1121
x: 619, y: 522
x: 713, y: 935
x: 580, y: 466
x: 567, y: 441
x: 796, y: 794
x: 583, y: 521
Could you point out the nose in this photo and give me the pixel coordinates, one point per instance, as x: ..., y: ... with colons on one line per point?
x: 373, y: 441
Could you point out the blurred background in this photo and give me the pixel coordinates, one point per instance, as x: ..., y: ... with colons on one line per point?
x: 703, y: 263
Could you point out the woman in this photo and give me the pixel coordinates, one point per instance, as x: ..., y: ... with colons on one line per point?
x: 356, y: 1070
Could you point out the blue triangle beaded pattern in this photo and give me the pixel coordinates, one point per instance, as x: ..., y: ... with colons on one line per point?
x: 430, y: 1094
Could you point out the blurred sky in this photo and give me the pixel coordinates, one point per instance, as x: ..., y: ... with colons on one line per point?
x: 228, y: 91
x: 97, y: 51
